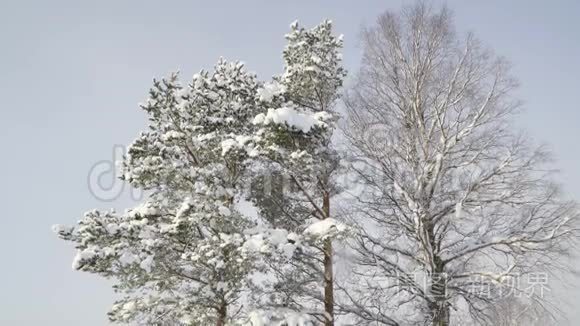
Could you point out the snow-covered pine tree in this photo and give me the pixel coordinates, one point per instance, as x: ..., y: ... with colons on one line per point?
x: 179, y: 257
x: 296, y: 140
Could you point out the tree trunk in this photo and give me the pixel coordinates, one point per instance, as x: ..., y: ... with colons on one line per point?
x: 441, y: 315
x: 222, y: 314
x: 328, y: 272
x: 440, y: 308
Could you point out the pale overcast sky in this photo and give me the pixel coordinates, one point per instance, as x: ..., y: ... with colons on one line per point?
x: 72, y: 73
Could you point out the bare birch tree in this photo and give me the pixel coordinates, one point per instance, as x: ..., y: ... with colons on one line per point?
x: 455, y: 206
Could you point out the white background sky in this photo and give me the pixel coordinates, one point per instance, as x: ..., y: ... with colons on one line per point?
x: 72, y: 73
